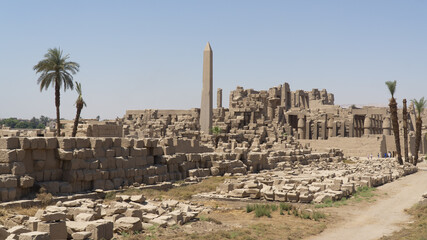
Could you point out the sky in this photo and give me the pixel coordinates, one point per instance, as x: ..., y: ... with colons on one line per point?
x: 148, y: 54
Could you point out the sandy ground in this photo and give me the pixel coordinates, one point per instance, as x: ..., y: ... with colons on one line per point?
x: 381, y: 217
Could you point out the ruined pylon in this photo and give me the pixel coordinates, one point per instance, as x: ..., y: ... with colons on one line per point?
x: 206, y: 107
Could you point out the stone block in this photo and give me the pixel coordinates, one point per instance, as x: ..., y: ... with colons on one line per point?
x: 81, y: 235
x: 25, y: 143
x: 83, y: 143
x: 127, y: 143
x: 18, y: 168
x: 7, y: 156
x: 18, y: 230
x: 34, y: 236
x: 67, y: 143
x: 26, y: 182
x: 100, y: 229
x: 51, y: 143
x: 8, y: 181
x: 128, y: 224
x: 65, y: 155
x: 5, y: 168
x: 9, y: 143
x: 39, y: 154
x: 84, y: 217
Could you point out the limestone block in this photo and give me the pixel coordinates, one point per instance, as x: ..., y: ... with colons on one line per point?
x: 137, y: 198
x: 81, y: 235
x: 7, y: 156
x: 8, y: 181
x: 9, y: 143
x: 20, y: 155
x: 18, y: 230
x: 5, y: 168
x: 107, y: 143
x: 65, y: 155
x: 127, y: 143
x: 157, y: 151
x: 52, y: 216
x: 83, y: 143
x: 99, y: 152
x: 110, y: 153
x: 39, y: 154
x: 18, y: 168
x: 84, y: 217
x: 134, y: 213
x: 67, y: 143
x: 34, y: 236
x: 51, y: 143
x: 25, y: 143
x: 148, y: 217
x: 26, y: 182
x: 65, y: 188
x: 73, y: 226
x: 293, y: 196
x: 100, y: 229
x: 139, y: 143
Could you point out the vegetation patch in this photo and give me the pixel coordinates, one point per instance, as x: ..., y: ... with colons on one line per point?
x: 415, y: 230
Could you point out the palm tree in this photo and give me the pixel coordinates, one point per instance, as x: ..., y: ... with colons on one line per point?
x: 80, y: 103
x: 56, y: 71
x: 216, y: 131
x: 419, y: 105
x: 393, y: 111
x: 405, y: 130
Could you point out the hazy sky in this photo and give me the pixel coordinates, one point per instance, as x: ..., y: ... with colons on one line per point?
x: 148, y: 54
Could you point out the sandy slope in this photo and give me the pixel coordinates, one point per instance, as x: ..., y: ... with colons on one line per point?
x: 385, y: 215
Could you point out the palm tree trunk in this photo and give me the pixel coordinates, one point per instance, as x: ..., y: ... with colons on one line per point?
x: 405, y: 130
x: 57, y: 103
x: 395, y: 123
x: 76, y: 120
x: 418, y: 125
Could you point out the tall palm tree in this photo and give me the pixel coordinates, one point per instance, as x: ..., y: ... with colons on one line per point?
x: 80, y: 103
x: 56, y: 71
x: 419, y: 105
x: 393, y: 111
x: 405, y: 130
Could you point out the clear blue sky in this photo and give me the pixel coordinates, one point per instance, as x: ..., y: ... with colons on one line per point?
x: 148, y: 54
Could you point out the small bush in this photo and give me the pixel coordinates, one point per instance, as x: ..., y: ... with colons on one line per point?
x: 263, y: 210
x: 110, y: 196
x: 318, y: 215
x: 281, y: 212
x: 285, y: 206
x: 250, y: 208
x: 45, y: 198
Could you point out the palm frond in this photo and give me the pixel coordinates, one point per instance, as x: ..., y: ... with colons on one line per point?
x: 391, y: 85
x: 419, y: 105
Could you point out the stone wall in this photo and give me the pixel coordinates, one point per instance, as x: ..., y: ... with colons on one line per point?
x: 70, y: 165
x: 355, y: 147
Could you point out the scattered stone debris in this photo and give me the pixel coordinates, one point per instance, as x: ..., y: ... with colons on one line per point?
x: 99, y: 219
x: 316, y: 182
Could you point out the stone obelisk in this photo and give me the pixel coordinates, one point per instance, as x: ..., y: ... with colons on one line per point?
x: 206, y: 107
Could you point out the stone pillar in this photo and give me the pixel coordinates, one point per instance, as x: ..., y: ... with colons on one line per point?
x: 219, y: 98
x: 301, y: 128
x: 386, y: 126
x: 342, y: 129
x: 367, y: 125
x: 308, y: 132
x: 206, y: 107
x: 351, y: 128
x: 285, y: 95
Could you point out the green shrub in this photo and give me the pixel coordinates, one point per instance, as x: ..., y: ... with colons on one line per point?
x: 285, y: 206
x: 318, y: 215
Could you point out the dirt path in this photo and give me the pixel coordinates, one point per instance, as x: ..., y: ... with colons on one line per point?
x: 382, y: 217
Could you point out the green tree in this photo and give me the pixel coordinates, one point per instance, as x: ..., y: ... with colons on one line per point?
x: 393, y: 112
x: 80, y: 103
x: 216, y: 131
x: 419, y: 105
x: 56, y: 71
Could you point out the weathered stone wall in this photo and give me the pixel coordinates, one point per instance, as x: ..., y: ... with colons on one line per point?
x: 69, y: 165
x: 356, y: 147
